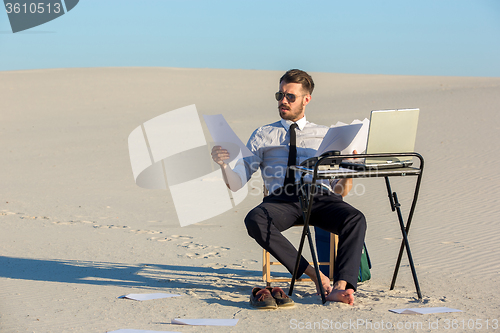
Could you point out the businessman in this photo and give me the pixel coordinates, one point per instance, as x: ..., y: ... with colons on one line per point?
x: 276, y: 146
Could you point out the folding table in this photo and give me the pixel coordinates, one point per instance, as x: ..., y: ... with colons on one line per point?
x: 326, y: 167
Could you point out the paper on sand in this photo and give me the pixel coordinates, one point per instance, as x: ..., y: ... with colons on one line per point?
x: 205, y: 322
x: 147, y: 297
x: 424, y: 310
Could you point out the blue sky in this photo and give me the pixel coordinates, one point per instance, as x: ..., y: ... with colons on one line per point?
x: 425, y: 37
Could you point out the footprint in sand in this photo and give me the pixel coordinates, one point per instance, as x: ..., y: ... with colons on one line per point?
x: 71, y: 222
x: 249, y: 261
x: 150, y: 232
x: 6, y: 212
x: 169, y: 238
x: 34, y: 217
x: 209, y: 251
x: 191, y: 245
x: 62, y: 223
x: 109, y: 226
x: 197, y: 255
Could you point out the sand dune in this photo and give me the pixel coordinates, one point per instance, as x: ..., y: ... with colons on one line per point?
x: 78, y: 233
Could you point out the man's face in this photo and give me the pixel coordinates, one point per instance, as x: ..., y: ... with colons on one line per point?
x: 293, y: 110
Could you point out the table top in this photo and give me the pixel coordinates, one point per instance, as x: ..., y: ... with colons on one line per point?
x: 323, y: 165
x: 350, y: 173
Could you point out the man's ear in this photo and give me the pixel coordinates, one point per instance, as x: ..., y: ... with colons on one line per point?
x: 307, y: 99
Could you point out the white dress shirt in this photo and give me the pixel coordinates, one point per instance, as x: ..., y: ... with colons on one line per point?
x: 270, y: 146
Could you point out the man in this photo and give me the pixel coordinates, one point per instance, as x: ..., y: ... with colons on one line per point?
x: 279, y: 211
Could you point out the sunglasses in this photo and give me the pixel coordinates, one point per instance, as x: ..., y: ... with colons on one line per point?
x: 290, y: 97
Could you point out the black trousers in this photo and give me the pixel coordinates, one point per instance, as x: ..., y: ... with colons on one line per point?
x: 279, y: 212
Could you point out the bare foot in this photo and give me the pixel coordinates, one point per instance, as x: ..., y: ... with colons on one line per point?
x: 344, y: 296
x: 325, y: 281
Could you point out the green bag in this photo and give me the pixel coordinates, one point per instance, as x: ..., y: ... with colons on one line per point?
x: 365, y: 266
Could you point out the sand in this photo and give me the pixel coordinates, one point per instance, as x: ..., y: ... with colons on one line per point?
x: 77, y: 232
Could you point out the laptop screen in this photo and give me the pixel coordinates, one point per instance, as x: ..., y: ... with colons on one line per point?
x: 392, y: 131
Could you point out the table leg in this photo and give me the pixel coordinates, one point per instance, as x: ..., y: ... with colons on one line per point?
x: 306, y: 204
x: 396, y: 206
x: 307, y: 232
x: 316, y: 266
x: 404, y: 230
x: 407, y: 245
x: 297, y: 262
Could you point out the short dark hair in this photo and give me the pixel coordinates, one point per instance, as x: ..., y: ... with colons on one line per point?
x: 299, y: 76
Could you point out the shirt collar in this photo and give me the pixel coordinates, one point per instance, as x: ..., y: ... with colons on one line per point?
x: 301, y: 123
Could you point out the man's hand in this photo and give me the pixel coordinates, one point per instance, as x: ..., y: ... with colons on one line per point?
x: 232, y: 180
x: 219, y: 155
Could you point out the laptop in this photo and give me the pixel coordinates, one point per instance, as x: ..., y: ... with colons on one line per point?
x: 390, y: 131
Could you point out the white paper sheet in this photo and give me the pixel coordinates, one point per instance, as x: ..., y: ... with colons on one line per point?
x: 127, y: 330
x: 147, y: 297
x: 346, y: 138
x: 221, y: 132
x: 424, y: 310
x: 205, y: 322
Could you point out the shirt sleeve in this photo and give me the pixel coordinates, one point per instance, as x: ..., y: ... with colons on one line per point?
x: 246, y: 167
x: 333, y: 182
